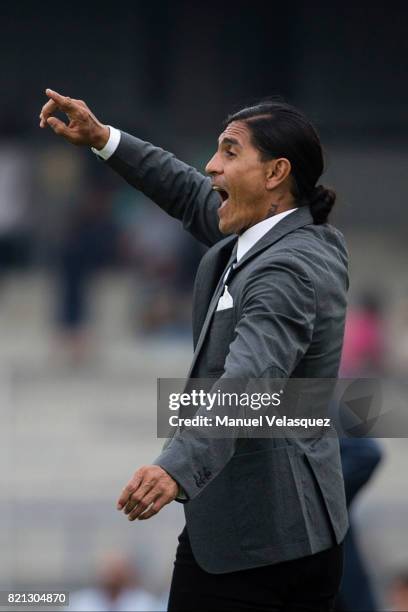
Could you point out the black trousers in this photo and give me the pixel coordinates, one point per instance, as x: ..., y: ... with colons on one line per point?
x: 309, y: 584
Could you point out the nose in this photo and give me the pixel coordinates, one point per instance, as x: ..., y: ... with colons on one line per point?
x: 214, y: 166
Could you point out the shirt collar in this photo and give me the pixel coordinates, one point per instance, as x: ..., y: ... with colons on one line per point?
x: 247, y: 240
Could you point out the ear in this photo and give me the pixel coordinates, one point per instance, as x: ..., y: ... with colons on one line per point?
x: 277, y: 170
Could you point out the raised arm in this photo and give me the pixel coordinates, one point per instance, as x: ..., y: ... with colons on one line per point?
x: 179, y: 189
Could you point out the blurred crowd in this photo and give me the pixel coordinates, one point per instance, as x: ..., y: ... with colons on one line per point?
x: 116, y: 588
x: 62, y: 212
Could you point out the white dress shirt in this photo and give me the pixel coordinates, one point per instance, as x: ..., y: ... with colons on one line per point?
x: 111, y: 145
x: 254, y: 233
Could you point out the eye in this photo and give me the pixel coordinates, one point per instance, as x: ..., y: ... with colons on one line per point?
x: 230, y: 153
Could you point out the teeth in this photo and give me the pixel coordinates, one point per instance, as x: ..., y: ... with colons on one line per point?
x: 216, y: 188
x: 223, y: 193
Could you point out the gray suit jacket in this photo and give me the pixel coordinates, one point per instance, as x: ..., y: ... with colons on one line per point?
x: 253, y: 502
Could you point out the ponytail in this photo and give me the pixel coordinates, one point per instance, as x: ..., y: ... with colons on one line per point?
x: 321, y: 201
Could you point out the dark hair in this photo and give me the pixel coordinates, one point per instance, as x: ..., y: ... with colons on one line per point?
x: 280, y: 130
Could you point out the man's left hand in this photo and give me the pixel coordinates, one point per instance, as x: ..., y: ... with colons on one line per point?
x: 149, y: 489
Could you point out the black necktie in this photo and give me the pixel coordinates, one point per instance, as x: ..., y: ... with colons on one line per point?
x: 213, y: 304
x: 229, y: 267
x: 224, y: 278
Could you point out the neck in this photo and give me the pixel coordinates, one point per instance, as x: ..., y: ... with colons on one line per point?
x: 276, y: 209
x: 272, y: 212
x: 282, y: 202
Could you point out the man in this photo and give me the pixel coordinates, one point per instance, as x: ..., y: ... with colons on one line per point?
x: 265, y: 518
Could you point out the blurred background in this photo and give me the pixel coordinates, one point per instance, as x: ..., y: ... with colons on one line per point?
x: 95, y: 282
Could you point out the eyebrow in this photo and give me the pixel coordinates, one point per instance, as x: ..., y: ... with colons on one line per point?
x: 230, y: 141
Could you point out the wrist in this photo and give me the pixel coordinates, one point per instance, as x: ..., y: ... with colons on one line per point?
x: 101, y: 137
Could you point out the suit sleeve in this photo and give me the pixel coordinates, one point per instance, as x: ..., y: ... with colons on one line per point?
x: 179, y: 189
x: 278, y: 310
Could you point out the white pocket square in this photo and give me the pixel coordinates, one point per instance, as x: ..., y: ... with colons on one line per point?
x: 225, y: 300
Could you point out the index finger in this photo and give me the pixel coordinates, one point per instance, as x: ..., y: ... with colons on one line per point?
x: 63, y: 102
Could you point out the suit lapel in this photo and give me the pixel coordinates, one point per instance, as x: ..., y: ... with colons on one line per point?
x: 301, y: 217
x: 216, y: 263
x: 208, y: 289
x: 208, y: 275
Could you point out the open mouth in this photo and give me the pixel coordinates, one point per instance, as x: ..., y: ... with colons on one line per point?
x: 222, y: 193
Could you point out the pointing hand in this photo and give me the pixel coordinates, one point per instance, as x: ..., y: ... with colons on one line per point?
x: 83, y: 127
